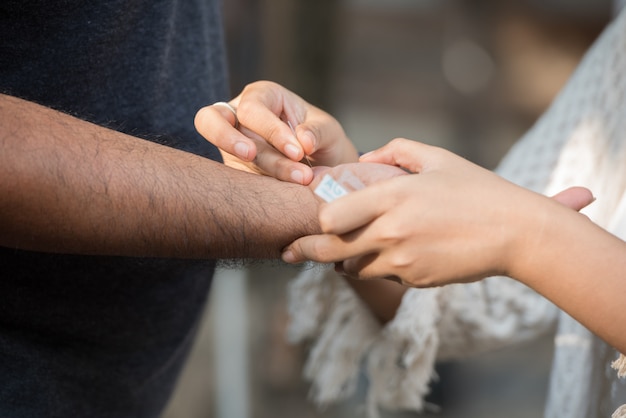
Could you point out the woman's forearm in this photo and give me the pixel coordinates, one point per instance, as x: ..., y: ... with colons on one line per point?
x: 578, y: 266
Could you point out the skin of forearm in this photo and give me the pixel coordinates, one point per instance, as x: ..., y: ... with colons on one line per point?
x: 70, y: 186
x: 578, y: 266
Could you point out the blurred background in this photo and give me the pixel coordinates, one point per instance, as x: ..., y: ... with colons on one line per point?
x: 469, y: 75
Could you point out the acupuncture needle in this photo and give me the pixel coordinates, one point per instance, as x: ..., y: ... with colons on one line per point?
x: 306, y: 157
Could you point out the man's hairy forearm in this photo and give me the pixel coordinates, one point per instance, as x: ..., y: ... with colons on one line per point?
x: 69, y: 186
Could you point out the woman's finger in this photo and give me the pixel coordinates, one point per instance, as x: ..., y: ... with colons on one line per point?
x: 363, y: 267
x: 273, y: 113
x: 274, y: 164
x: 320, y: 248
x: 361, y: 207
x: 324, y: 140
x: 352, y: 211
x: 328, y: 248
x: 576, y: 198
x: 411, y: 155
x: 217, y: 125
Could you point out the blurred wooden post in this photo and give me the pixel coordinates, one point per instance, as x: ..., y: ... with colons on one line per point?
x: 230, y: 316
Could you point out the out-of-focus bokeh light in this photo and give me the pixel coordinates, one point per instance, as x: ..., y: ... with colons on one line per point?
x: 467, y: 66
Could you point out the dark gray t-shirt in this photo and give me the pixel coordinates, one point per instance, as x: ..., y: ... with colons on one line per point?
x: 105, y: 336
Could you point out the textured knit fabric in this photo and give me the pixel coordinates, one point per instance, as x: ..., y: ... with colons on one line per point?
x: 105, y: 336
x: 580, y: 140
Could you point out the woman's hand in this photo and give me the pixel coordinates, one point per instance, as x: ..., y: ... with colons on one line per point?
x: 450, y: 221
x: 259, y: 137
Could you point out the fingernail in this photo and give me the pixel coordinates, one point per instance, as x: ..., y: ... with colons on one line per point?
x: 242, y: 150
x: 288, y: 257
x: 297, y: 176
x: 292, y: 152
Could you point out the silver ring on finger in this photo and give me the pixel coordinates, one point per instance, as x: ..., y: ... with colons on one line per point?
x: 232, y: 109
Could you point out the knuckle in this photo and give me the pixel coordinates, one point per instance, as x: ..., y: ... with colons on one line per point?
x: 250, y: 87
x: 321, y: 251
x: 199, y: 119
x: 245, y: 107
x: 326, y: 221
x: 401, y: 260
x: 392, y: 233
x: 267, y: 84
x: 272, y: 133
x: 205, y: 119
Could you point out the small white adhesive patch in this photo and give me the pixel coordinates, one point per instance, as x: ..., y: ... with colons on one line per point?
x: 329, y: 189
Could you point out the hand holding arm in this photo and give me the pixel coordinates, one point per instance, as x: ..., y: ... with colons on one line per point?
x: 383, y: 297
x: 456, y: 222
x: 260, y: 139
x: 408, y: 227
